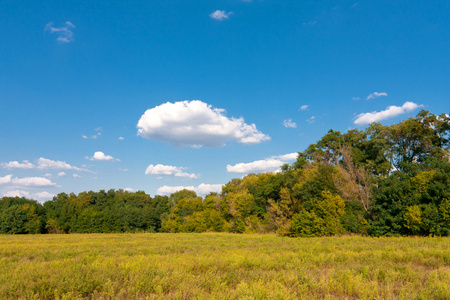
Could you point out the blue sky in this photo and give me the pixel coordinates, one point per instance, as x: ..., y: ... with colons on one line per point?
x: 158, y: 95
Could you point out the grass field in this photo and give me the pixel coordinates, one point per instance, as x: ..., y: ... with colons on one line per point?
x: 222, y: 266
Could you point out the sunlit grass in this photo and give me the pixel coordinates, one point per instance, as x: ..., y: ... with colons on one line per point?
x: 222, y: 266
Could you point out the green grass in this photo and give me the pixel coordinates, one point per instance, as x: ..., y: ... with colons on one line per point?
x: 222, y: 266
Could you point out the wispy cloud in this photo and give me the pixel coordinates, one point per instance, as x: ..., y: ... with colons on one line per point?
x: 311, y: 120
x: 160, y: 169
x: 389, y: 112
x: 220, y: 15
x: 64, y: 32
x: 304, y: 107
x: 270, y: 164
x: 289, y: 124
x: 311, y: 23
x: 376, y: 95
x: 41, y: 164
x: 95, y: 136
x: 355, y: 98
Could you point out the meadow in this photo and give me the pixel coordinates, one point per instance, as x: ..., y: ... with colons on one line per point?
x: 222, y: 266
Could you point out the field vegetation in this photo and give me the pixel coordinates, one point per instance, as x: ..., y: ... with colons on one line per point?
x: 222, y: 266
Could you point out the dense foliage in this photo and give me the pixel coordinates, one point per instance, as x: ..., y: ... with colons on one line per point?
x: 384, y: 180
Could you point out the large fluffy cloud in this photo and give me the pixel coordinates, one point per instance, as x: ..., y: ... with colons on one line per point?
x: 389, y: 112
x: 169, y: 171
x: 272, y: 164
x: 202, y: 189
x: 195, y: 124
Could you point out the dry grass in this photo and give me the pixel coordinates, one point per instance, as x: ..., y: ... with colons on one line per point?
x: 222, y: 266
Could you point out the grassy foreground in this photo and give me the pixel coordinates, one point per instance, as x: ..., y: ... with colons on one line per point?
x: 222, y: 266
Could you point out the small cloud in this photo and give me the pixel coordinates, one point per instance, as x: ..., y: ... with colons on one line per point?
x: 130, y: 190
x: 42, y: 164
x: 289, y: 124
x: 270, y: 164
x: 48, y: 175
x: 41, y: 196
x: 220, y: 15
x: 76, y: 176
x: 61, y: 174
x: 355, y: 98
x: 376, y: 95
x: 169, y: 171
x: 123, y: 170
x: 311, y: 120
x: 25, y: 164
x: 26, y: 181
x: 304, y: 107
x: 202, y: 189
x: 121, y: 138
x: 389, y: 112
x: 102, y: 156
x: 64, y: 32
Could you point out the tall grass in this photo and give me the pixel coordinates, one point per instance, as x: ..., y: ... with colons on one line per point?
x: 222, y: 266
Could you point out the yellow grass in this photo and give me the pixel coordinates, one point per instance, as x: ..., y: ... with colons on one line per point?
x: 222, y: 266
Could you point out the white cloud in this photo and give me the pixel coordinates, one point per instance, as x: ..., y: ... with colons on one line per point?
x: 26, y: 181
x: 42, y: 164
x: 130, y: 190
x: 169, y: 171
x: 61, y: 174
x: 195, y: 124
x: 17, y: 193
x: 5, y: 179
x: 270, y: 164
x: 98, y: 155
x: 76, y: 176
x: 304, y: 107
x: 32, y: 182
x: 311, y: 120
x: 121, y: 138
x: 41, y: 196
x: 376, y: 95
x: 202, y: 189
x: 390, y: 112
x: 16, y: 165
x: 289, y: 124
x: 220, y: 15
x: 355, y: 98
x: 64, y: 32
x: 46, y: 164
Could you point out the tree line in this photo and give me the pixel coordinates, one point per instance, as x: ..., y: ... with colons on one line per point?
x: 381, y: 181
